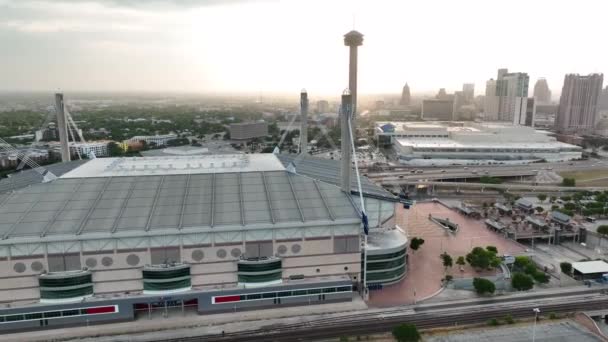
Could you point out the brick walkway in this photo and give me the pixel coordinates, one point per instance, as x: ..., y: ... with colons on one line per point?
x: 425, y: 267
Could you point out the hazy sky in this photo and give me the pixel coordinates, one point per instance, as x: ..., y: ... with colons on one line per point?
x: 282, y: 46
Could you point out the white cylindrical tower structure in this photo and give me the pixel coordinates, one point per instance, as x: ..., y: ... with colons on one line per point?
x: 346, y: 112
x: 62, y: 127
x: 353, y: 39
x: 303, y: 121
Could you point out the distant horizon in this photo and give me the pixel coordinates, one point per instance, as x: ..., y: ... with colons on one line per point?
x: 278, y: 47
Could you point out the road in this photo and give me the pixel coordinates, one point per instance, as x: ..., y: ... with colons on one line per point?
x: 467, y: 185
x: 423, y: 316
x: 455, y: 172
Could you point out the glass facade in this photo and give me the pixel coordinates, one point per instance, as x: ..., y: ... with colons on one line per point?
x: 65, y: 285
x: 280, y: 294
x: 168, y: 278
x: 386, y: 268
x: 262, y: 271
x: 57, y: 314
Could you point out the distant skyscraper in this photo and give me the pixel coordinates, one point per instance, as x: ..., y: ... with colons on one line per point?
x: 604, y: 99
x: 442, y: 94
x: 322, y: 106
x: 530, y: 112
x: 578, y: 104
x: 438, y: 109
x: 510, y: 97
x: 490, y: 105
x: 405, y: 96
x: 459, y: 101
x: 542, y: 93
x: 468, y: 90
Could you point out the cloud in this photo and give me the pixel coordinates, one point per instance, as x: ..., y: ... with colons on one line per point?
x: 145, y: 4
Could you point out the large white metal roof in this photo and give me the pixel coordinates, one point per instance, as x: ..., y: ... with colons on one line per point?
x: 589, y: 267
x: 256, y: 194
x: 176, y: 165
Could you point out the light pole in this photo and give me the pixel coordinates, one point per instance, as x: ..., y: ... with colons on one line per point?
x: 536, y: 312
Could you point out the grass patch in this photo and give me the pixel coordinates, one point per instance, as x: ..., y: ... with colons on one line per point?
x: 585, y: 175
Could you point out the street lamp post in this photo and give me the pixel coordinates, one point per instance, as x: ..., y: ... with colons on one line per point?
x: 536, y: 312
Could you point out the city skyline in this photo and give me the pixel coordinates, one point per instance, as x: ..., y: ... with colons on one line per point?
x: 113, y: 45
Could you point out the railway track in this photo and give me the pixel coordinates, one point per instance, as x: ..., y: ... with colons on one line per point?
x: 441, y: 315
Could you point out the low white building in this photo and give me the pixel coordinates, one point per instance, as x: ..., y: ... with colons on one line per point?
x: 458, y: 142
x: 159, y: 140
x: 99, y: 148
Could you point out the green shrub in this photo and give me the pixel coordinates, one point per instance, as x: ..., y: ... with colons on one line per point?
x: 493, y: 322
x: 509, y: 319
x: 566, y: 267
x: 522, y: 281
x: 406, y: 333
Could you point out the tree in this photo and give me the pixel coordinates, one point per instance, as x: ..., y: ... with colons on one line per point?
x: 569, y: 182
x: 483, y: 286
x: 521, y: 281
x: 483, y: 258
x: 522, y: 261
x: 539, y: 209
x: 541, y: 197
x: 406, y: 333
x: 447, y: 260
x: 541, y: 277
x: 416, y: 243
x: 492, y: 249
x: 566, y: 267
x: 115, y: 149
x: 552, y: 199
x: 603, y: 229
x: 460, y: 261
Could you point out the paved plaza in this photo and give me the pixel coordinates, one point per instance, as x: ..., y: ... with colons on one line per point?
x: 425, y: 267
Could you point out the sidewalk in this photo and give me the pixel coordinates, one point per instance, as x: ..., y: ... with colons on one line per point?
x: 189, y: 323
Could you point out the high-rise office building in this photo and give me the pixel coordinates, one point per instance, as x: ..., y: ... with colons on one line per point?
x: 530, y: 112
x: 438, y: 109
x: 508, y: 101
x: 460, y: 99
x: 578, y: 104
x: 542, y: 93
x: 468, y: 90
x: 405, y: 96
x: 604, y: 99
x: 442, y: 94
x: 490, y: 103
x: 322, y: 106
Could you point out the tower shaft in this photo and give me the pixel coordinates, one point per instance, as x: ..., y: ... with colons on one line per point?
x: 346, y: 112
x: 303, y: 122
x: 62, y: 127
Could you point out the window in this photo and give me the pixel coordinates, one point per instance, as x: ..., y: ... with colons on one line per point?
x: 52, y: 314
x: 168, y: 285
x: 285, y: 294
x: 254, y: 296
x: 37, y: 315
x: 314, y: 291
x: 14, y: 318
x: 344, y: 289
x: 299, y: 292
x: 70, y: 312
x: 269, y: 295
x: 67, y: 281
x: 329, y: 290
